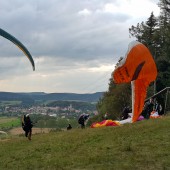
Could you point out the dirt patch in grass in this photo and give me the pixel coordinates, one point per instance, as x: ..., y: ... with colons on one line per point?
x: 18, y: 131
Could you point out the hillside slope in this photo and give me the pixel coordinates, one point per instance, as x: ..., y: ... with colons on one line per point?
x: 142, y: 145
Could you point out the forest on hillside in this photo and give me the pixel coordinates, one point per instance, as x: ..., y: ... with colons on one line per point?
x: 154, y: 33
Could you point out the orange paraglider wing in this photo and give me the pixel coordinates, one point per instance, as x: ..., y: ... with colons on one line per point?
x: 138, y: 67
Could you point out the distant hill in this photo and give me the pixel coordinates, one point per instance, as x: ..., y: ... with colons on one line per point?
x: 68, y: 96
x: 34, y: 96
x: 9, y: 96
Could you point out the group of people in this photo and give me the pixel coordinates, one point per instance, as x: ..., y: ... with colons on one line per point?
x: 150, y: 106
x: 81, y: 121
x: 27, y: 124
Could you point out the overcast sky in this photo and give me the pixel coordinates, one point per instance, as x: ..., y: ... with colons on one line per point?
x: 74, y: 43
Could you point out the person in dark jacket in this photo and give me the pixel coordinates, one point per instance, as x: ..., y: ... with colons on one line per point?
x: 82, y: 119
x: 125, y: 113
x: 158, y: 108
x: 148, y: 108
x: 27, y: 126
x: 69, y: 126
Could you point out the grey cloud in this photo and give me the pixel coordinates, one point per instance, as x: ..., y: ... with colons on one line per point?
x: 53, y: 28
x: 60, y: 39
x: 14, y: 66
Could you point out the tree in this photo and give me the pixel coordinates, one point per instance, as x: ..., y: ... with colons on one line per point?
x: 114, y: 100
x: 62, y: 123
x: 163, y: 61
x: 145, y: 32
x: 51, y: 123
x: 155, y: 34
x: 165, y: 5
x: 41, y: 124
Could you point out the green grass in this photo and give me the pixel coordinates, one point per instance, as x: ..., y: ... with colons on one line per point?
x: 138, y: 146
x: 9, y: 103
x: 6, y: 122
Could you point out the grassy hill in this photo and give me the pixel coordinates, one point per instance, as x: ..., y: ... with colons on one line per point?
x: 142, y: 145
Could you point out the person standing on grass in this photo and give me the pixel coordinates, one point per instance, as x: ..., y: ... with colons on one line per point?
x: 69, y: 126
x: 27, y: 126
x: 125, y: 113
x: 148, y: 108
x: 82, y: 119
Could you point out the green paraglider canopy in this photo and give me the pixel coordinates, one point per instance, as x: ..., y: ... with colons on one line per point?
x: 19, y: 44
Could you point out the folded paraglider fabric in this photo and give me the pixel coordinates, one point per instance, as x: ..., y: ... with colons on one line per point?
x: 105, y: 123
x: 140, y: 118
x: 154, y: 115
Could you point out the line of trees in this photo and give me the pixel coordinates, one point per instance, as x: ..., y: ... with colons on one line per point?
x: 155, y: 34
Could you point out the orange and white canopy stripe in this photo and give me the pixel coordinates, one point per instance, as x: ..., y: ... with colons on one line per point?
x: 138, y: 67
